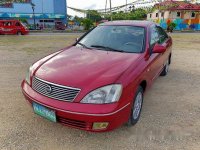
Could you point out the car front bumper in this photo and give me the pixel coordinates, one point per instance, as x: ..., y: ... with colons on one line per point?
x: 81, y: 116
x: 25, y: 32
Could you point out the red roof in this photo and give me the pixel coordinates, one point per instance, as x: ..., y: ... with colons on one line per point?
x: 178, y: 5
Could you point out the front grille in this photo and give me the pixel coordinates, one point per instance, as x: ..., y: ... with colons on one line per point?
x: 54, y: 91
x: 74, y: 123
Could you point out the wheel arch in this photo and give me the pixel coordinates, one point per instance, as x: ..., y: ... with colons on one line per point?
x: 143, y: 84
x: 170, y: 56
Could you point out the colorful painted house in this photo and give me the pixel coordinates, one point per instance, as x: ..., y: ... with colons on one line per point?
x: 184, y: 14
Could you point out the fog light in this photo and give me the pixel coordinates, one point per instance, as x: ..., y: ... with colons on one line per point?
x: 100, y: 125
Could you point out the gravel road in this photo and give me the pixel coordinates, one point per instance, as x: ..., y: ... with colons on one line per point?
x: 171, y: 113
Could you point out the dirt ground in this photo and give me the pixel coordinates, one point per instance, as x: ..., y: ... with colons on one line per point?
x: 171, y: 113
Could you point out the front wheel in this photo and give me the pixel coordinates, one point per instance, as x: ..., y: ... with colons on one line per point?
x: 136, y: 107
x: 19, y: 33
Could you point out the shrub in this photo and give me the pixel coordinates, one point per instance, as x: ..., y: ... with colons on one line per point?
x: 87, y: 23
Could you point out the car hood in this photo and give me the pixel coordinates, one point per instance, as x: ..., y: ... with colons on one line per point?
x: 84, y: 68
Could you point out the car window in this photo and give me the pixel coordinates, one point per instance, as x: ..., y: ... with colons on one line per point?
x: 158, y: 35
x: 162, y: 35
x: 122, y: 38
x: 7, y: 24
x: 154, y: 36
x: 17, y: 24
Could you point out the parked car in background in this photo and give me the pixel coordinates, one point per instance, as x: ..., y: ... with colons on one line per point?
x: 59, y: 25
x: 13, y: 27
x: 98, y: 83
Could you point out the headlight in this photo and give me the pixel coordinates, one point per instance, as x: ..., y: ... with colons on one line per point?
x: 104, y: 95
x: 28, y: 75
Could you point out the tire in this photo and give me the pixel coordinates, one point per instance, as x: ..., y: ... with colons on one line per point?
x: 19, y: 33
x: 136, y: 107
x: 166, y: 68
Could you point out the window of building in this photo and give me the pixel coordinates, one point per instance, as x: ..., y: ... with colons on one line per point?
x: 156, y: 14
x: 162, y: 14
x: 47, y: 21
x: 178, y: 14
x: 193, y: 14
x: 150, y: 15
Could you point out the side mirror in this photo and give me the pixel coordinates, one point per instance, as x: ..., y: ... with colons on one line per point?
x: 159, y: 48
x: 77, y: 39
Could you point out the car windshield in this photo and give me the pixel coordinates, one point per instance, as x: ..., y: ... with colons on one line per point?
x: 23, y: 24
x: 128, y: 39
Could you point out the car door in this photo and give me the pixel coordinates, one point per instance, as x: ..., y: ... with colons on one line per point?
x: 156, y: 60
x: 166, y: 41
x: 153, y: 59
x: 18, y: 27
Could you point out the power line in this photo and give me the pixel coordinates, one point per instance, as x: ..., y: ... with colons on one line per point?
x: 113, y: 9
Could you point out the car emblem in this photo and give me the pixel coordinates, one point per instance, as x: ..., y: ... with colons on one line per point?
x: 48, y: 89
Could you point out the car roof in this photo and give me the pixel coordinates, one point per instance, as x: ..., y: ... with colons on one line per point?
x: 129, y: 23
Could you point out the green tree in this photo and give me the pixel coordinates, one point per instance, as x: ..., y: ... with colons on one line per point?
x: 78, y: 19
x: 87, y: 23
x: 69, y: 17
x: 135, y: 14
x: 23, y: 20
x: 94, y: 15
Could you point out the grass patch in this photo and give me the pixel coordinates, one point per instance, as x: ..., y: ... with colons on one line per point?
x: 32, y: 44
x: 186, y: 41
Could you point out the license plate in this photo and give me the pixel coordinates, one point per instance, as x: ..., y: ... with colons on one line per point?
x: 44, y: 112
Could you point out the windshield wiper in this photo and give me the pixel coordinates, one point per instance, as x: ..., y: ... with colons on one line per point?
x: 84, y: 46
x: 107, y: 48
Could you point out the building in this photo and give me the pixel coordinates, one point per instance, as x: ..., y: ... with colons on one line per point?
x: 46, y: 12
x: 184, y: 14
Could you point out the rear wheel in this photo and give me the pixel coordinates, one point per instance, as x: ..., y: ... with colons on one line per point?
x: 166, y: 68
x: 136, y: 107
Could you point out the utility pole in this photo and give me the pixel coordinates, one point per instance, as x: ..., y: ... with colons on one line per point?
x: 106, y: 6
x: 126, y: 5
x: 159, y: 10
x: 111, y: 10
x: 33, y: 8
x: 43, y: 12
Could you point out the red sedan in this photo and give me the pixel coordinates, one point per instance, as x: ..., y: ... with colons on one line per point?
x: 13, y: 27
x: 97, y: 84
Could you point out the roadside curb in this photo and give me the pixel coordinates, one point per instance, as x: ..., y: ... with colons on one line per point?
x: 55, y: 31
